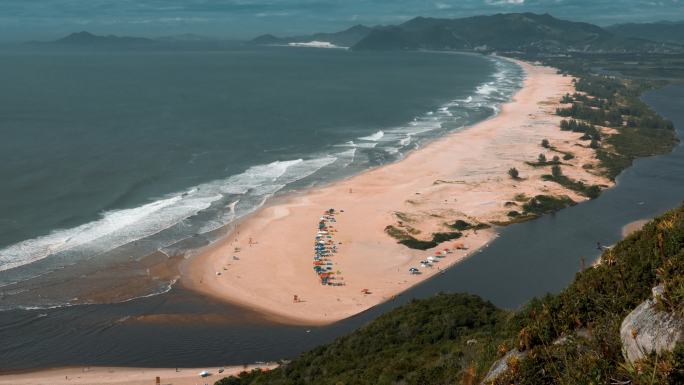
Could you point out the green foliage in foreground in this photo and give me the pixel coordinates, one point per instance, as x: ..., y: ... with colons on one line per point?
x: 424, y: 342
x: 453, y: 339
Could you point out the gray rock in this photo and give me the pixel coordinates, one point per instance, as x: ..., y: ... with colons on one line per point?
x: 501, y: 365
x: 647, y: 329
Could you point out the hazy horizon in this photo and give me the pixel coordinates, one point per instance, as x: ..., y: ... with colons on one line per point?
x: 245, y: 19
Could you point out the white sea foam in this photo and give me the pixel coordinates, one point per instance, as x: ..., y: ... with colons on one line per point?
x: 373, y: 138
x: 120, y: 227
x: 346, y: 155
x: 366, y: 145
x: 315, y: 44
x: 252, y: 187
x: 113, y: 229
x: 486, y: 89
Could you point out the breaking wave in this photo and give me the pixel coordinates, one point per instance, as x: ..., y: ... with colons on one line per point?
x: 206, y: 207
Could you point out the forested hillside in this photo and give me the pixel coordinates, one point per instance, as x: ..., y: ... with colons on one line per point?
x: 569, y: 338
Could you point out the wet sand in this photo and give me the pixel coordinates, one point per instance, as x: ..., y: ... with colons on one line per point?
x: 461, y: 176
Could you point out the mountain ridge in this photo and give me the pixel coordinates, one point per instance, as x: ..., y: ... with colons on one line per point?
x: 526, y: 32
x: 661, y: 31
x: 501, y: 32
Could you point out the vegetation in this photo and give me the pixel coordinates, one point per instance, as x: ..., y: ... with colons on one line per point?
x: 411, y: 242
x: 520, y: 32
x: 536, y: 206
x: 573, y: 125
x: 543, y: 161
x: 462, y: 225
x: 546, y: 204
x: 513, y: 173
x: 580, y: 187
x: 570, y: 338
x: 613, y: 102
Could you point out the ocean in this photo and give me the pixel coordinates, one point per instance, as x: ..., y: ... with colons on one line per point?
x: 114, y: 162
x: 183, y: 328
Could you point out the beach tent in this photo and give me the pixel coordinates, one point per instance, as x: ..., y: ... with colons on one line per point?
x: 204, y: 373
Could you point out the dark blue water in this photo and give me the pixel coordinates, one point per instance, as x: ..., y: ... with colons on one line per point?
x: 527, y: 260
x: 109, y: 157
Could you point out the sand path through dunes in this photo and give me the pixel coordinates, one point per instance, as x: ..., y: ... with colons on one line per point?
x: 461, y: 176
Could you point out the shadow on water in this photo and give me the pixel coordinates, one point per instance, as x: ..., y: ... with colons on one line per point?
x: 527, y: 260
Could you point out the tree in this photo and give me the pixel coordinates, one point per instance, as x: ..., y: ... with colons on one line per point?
x: 556, y: 171
x: 542, y: 158
x: 556, y: 159
x: 545, y: 143
x: 513, y: 172
x: 594, y: 144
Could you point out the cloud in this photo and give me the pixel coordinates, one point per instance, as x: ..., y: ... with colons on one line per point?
x: 43, y: 19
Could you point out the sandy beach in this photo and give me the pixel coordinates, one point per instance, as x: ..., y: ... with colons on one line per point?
x: 268, y: 259
x: 124, y: 376
x: 633, y: 227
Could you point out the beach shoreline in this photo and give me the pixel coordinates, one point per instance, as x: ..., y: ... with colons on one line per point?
x: 266, y: 263
x: 103, y: 375
x: 634, y: 226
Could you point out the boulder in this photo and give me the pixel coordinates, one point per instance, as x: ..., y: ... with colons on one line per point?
x: 501, y: 365
x: 647, y: 329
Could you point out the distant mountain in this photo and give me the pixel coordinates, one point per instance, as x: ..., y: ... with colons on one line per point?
x: 346, y: 38
x: 663, y: 31
x: 84, y: 38
x: 501, y: 32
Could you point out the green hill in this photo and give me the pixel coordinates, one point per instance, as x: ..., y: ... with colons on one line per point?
x: 569, y: 338
x: 663, y: 31
x: 85, y: 38
x: 501, y: 32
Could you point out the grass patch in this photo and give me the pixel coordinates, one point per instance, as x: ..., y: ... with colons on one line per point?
x: 462, y: 225
x: 546, y: 204
x: 411, y: 242
x: 580, y: 187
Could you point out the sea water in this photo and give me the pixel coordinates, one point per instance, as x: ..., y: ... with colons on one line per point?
x: 108, y: 157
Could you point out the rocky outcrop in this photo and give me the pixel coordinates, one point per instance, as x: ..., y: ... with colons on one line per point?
x: 501, y: 365
x: 647, y: 329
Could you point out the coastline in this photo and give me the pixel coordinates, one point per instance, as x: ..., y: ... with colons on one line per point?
x: 634, y: 226
x: 101, y: 375
x: 462, y: 176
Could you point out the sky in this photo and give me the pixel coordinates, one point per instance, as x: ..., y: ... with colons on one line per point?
x: 22, y: 20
